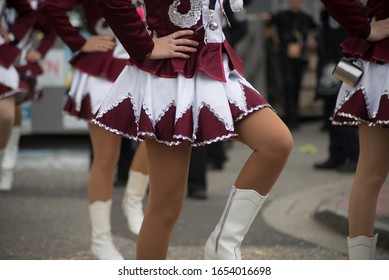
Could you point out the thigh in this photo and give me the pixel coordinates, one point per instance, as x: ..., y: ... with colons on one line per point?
x: 7, y: 116
x: 374, y: 150
x: 168, y: 167
x: 106, y: 145
x: 263, y: 130
x: 139, y: 161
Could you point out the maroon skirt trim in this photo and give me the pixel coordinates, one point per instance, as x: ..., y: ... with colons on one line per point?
x: 122, y: 121
x: 6, y: 91
x: 85, y: 111
x: 354, y: 112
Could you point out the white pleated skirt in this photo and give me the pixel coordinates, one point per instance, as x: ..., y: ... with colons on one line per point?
x: 86, y: 95
x: 9, y: 77
x: 368, y: 101
x: 200, y: 110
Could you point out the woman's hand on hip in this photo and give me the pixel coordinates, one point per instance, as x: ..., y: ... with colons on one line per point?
x: 379, y: 30
x: 98, y: 44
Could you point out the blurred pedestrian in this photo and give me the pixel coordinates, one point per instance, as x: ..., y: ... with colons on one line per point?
x: 184, y: 87
x: 364, y: 104
x: 343, y: 146
x: 293, y: 27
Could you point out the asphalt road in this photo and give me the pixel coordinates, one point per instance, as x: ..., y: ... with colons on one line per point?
x: 45, y: 216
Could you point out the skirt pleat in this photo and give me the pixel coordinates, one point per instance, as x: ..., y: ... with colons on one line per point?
x: 200, y: 110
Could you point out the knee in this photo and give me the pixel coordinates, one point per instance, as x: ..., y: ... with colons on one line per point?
x: 169, y: 213
x: 376, y: 179
x: 7, y: 118
x: 105, y: 161
x: 282, y: 145
x: 279, y: 147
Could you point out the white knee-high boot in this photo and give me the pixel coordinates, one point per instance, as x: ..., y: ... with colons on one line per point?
x: 362, y: 247
x: 132, y: 201
x: 9, y: 160
x: 239, y: 213
x: 102, y: 244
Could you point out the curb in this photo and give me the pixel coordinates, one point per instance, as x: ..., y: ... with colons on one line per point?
x: 330, y: 214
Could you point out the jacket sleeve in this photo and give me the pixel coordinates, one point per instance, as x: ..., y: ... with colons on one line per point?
x: 55, y: 12
x: 25, y: 20
x: 350, y: 17
x: 127, y: 25
x: 47, y: 29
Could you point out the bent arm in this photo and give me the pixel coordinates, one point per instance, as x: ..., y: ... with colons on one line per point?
x: 56, y: 13
x: 350, y: 16
x: 128, y: 26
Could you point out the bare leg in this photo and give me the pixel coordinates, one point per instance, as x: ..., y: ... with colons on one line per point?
x: 106, y: 147
x: 139, y: 162
x: 18, y: 116
x: 271, y: 142
x: 105, y: 156
x: 10, y: 153
x: 372, y: 170
x: 7, y: 116
x: 168, y: 175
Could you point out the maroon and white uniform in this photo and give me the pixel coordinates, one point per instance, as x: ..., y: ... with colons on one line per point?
x: 30, y: 72
x: 173, y: 100
x: 368, y: 101
x: 94, y: 72
x: 9, y: 52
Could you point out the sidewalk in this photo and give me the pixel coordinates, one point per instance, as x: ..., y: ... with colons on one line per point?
x: 312, y: 205
x: 334, y: 214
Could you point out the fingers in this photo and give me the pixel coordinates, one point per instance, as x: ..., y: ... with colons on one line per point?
x: 182, y: 33
x: 106, y: 43
x: 379, y: 30
x: 105, y: 46
x: 182, y: 47
x: 106, y: 38
x: 175, y: 45
x: 186, y: 42
x: 98, y: 44
x: 183, y: 52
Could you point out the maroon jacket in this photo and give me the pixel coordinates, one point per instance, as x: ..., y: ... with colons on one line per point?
x: 24, y: 22
x: 42, y: 24
x: 45, y: 44
x: 96, y: 63
x: 124, y: 20
x: 357, y: 25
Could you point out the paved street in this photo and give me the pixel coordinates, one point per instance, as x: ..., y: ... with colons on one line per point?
x: 45, y: 216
